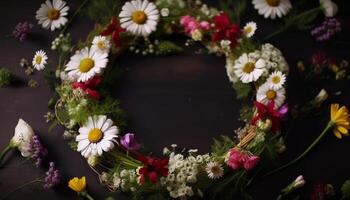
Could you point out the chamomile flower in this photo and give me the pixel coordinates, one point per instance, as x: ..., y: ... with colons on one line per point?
x: 214, y: 170
x: 248, y: 69
x: 39, y: 60
x: 96, y: 136
x: 276, y: 80
x: 140, y: 17
x: 272, y: 8
x: 249, y: 29
x: 265, y: 94
x: 52, y: 14
x: 101, y: 43
x: 85, y: 64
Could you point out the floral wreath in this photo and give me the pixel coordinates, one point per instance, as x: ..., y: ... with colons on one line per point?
x: 93, y: 123
x: 96, y: 125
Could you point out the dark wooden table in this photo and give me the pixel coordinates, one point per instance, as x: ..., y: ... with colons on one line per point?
x: 184, y: 99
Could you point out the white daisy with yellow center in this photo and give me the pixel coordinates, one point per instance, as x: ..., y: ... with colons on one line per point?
x: 139, y: 17
x: 52, y: 14
x: 272, y: 8
x: 97, y: 135
x: 249, y: 29
x: 276, y: 80
x: 214, y: 170
x: 39, y: 60
x: 248, y: 69
x: 85, y: 64
x: 101, y: 43
x: 266, y: 94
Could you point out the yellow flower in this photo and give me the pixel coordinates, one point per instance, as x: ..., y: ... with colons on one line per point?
x: 77, y: 184
x: 341, y: 119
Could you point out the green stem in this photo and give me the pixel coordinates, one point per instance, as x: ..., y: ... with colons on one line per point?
x: 74, y: 15
x: 289, y: 25
x: 20, y: 187
x: 86, y: 195
x: 329, y: 125
x: 4, y: 152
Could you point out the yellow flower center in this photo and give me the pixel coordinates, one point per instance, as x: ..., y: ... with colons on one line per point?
x: 273, y: 3
x: 248, y: 67
x: 271, y: 95
x: 53, y: 14
x: 248, y: 30
x: 101, y: 45
x: 38, y: 60
x: 86, y: 64
x: 276, y: 79
x: 139, y: 17
x: 95, y: 135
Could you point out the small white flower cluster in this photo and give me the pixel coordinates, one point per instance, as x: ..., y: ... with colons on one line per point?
x: 170, y: 7
x: 125, y: 180
x: 149, y: 48
x: 182, y: 173
x: 61, y: 43
x: 208, y: 11
x: 273, y: 58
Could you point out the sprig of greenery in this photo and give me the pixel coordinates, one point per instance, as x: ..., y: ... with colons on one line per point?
x: 101, y: 11
x: 6, y: 77
x: 234, y: 8
x: 345, y: 189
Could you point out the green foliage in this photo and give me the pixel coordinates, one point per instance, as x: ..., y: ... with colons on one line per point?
x: 234, y: 8
x: 5, y: 77
x: 50, y: 79
x: 243, y: 91
x: 168, y: 48
x: 221, y: 146
x: 101, y: 11
x: 345, y: 189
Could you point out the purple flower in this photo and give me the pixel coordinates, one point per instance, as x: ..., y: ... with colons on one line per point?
x: 52, y: 177
x: 21, y: 30
x: 327, y: 30
x: 129, y: 142
x: 283, y: 111
x: 37, y: 150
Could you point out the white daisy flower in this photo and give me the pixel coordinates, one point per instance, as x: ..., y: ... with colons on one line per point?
x: 214, y: 170
x: 249, y: 69
x: 85, y: 64
x: 97, y: 135
x: 265, y: 94
x: 101, y: 43
x: 39, y: 60
x: 272, y: 8
x: 139, y: 17
x: 329, y: 8
x: 276, y: 80
x: 51, y: 14
x: 249, y: 29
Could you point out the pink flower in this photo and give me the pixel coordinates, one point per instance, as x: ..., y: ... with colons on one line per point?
x: 238, y: 159
x: 191, y: 24
x: 235, y: 159
x: 205, y: 25
x: 185, y: 20
x: 250, y: 162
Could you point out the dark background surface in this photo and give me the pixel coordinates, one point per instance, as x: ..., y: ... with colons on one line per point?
x: 184, y: 99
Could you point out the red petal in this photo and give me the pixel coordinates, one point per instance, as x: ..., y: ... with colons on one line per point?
x: 80, y: 85
x: 94, y: 82
x: 93, y: 94
x: 153, y: 177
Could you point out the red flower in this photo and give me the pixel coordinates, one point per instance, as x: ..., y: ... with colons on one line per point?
x: 225, y: 30
x: 89, y: 86
x: 114, y: 30
x: 270, y: 112
x: 153, y: 168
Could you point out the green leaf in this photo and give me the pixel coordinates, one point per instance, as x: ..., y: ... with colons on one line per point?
x: 222, y: 145
x: 242, y: 90
x: 345, y: 189
x: 101, y: 11
x: 168, y: 48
